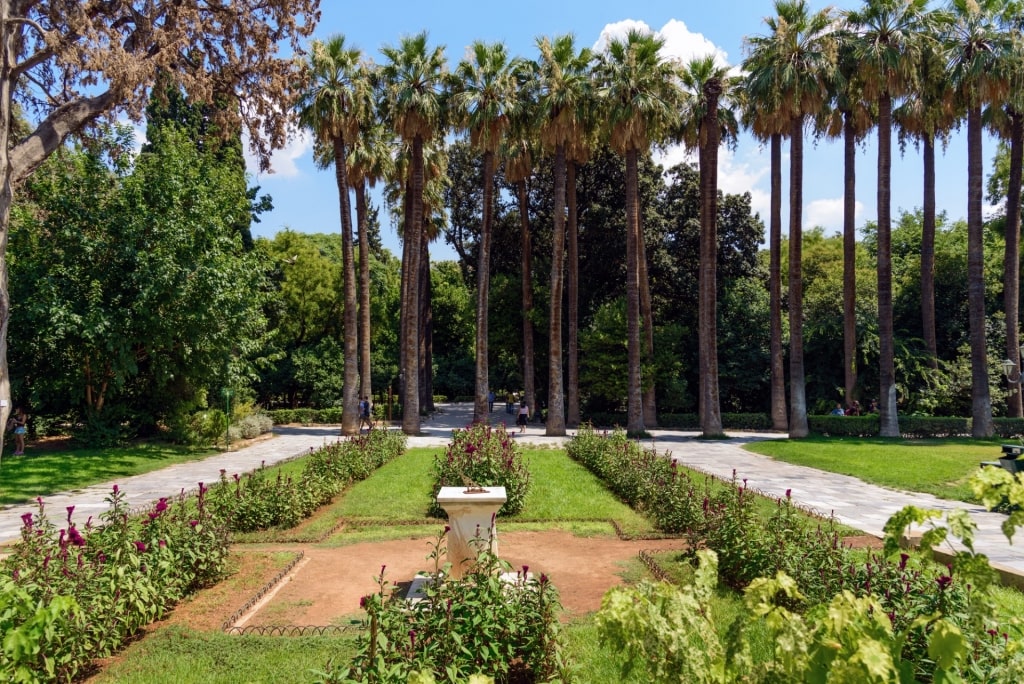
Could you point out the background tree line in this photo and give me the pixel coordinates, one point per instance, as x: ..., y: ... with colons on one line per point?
x: 597, y: 279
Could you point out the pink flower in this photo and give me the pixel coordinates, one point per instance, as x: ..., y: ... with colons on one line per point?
x: 140, y: 547
x: 71, y: 509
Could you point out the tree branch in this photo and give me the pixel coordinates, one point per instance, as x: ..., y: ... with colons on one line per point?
x: 51, y: 132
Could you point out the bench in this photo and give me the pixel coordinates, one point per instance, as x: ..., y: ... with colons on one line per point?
x: 1009, y: 460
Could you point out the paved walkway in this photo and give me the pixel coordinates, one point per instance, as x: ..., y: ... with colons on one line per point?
x: 853, y: 502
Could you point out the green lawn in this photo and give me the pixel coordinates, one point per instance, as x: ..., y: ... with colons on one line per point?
x: 560, y: 489
x: 23, y: 478
x: 934, y: 466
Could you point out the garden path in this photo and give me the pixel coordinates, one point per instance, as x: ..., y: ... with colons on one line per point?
x: 853, y: 502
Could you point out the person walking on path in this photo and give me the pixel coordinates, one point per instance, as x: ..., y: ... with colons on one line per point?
x: 19, y: 423
x: 524, y: 416
x: 490, y: 401
x: 366, y: 414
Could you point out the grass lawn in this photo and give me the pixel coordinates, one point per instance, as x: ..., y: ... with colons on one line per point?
x: 23, y: 478
x: 940, y: 467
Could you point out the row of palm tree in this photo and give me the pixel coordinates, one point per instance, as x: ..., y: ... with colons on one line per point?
x: 891, y: 63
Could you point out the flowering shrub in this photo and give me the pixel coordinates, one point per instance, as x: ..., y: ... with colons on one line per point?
x: 480, y: 625
x: 74, y: 595
x: 751, y: 545
x: 260, y: 500
x: 487, y: 456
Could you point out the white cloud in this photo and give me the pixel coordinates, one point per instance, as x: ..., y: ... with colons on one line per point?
x: 735, y: 176
x: 282, y: 162
x: 828, y: 213
x: 680, y: 43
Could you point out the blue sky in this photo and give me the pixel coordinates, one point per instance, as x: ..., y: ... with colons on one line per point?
x: 305, y: 199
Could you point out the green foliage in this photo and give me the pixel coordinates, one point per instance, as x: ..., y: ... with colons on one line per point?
x: 482, y: 624
x: 263, y: 499
x: 488, y: 456
x: 664, y: 629
x: 79, y: 594
x: 135, y: 293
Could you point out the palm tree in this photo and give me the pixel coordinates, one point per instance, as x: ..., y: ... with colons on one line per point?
x: 976, y: 50
x: 413, y: 77
x: 926, y: 115
x: 704, y: 124
x: 887, y: 48
x: 330, y: 109
x: 562, y: 81
x: 761, y: 115
x: 642, y: 98
x: 849, y: 116
x: 484, y: 91
x: 518, y: 153
x: 1007, y: 121
x: 369, y: 161
x: 794, y: 61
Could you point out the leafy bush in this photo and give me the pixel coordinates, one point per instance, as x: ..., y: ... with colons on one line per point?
x: 481, y: 624
x: 255, y: 425
x: 76, y: 595
x: 488, y: 456
x: 261, y: 499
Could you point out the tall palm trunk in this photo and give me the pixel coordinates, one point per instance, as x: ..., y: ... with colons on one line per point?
x: 711, y: 417
x: 649, y: 397
x: 526, y: 261
x: 556, y: 399
x: 410, y: 297
x: 1011, y: 259
x: 404, y: 285
x: 797, y: 389
x: 888, y: 423
x: 634, y: 405
x: 572, y: 302
x: 481, y: 410
x: 778, y: 374
x: 350, y: 385
x: 365, y: 384
x: 849, y: 258
x: 928, y: 253
x: 981, y: 402
x: 426, y: 330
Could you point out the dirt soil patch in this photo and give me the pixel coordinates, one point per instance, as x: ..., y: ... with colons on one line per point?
x: 327, y: 585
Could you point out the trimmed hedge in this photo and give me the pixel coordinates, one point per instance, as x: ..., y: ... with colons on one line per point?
x: 261, y: 499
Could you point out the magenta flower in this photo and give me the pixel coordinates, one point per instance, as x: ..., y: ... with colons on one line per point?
x: 26, y: 520
x: 140, y: 547
x: 75, y: 537
x: 116, y: 489
x: 789, y: 493
x: 193, y: 523
x: 71, y: 509
x: 944, y: 581
x: 161, y: 505
x: 162, y: 543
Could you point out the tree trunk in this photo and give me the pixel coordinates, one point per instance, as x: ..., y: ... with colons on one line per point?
x: 9, y: 58
x: 529, y: 387
x: 572, y: 301
x: 849, y: 259
x: 981, y: 402
x: 797, y: 389
x: 707, y: 300
x: 481, y: 410
x: 556, y: 400
x: 1011, y: 259
x: 634, y: 405
x: 649, y: 398
x: 426, y: 326
x: 928, y: 253
x: 888, y: 422
x: 410, y: 297
x: 365, y: 384
x: 778, y: 374
x: 350, y: 385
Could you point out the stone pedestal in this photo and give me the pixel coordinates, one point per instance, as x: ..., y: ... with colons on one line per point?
x: 471, y: 516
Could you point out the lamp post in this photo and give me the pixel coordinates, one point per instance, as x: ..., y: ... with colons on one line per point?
x: 227, y: 391
x: 1009, y: 366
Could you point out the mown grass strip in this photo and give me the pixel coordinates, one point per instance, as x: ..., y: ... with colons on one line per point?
x: 940, y: 467
x: 23, y: 478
